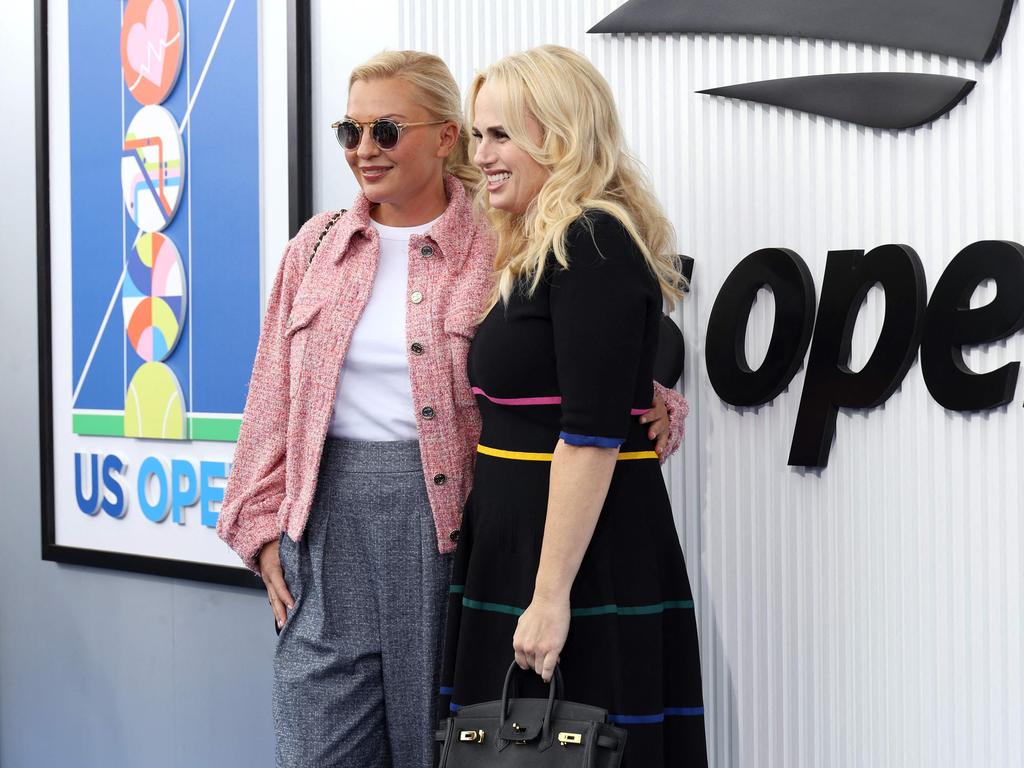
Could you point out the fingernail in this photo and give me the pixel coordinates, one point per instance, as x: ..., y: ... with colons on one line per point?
x: 280, y: 624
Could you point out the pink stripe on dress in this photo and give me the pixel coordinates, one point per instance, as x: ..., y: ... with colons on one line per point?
x: 552, y: 400
x: 548, y: 400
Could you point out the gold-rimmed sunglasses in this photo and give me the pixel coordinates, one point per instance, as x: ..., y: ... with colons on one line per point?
x: 384, y: 131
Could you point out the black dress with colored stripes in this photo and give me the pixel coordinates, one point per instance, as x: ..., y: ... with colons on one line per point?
x: 575, y: 362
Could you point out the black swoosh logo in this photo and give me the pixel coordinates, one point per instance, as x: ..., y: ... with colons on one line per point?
x: 968, y: 29
x: 892, y: 100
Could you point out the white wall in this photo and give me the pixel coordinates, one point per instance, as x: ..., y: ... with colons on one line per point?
x: 868, y: 614
x: 344, y: 35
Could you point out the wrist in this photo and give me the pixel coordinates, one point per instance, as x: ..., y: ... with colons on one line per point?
x: 264, y: 551
x: 552, y: 594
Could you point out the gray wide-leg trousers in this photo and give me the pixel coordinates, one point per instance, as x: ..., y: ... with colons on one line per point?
x: 356, y: 665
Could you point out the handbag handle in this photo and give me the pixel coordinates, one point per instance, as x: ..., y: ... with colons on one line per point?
x: 512, y: 686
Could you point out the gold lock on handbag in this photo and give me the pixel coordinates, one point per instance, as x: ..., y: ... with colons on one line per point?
x: 518, y: 732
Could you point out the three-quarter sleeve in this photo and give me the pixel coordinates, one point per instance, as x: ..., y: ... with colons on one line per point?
x: 599, y: 308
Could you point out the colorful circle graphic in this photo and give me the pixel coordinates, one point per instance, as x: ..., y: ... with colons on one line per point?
x: 152, y: 168
x: 151, y: 48
x: 154, y: 405
x: 153, y: 296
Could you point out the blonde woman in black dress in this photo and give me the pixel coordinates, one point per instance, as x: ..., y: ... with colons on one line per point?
x: 569, y: 553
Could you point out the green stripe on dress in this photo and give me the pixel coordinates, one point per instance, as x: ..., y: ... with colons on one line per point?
x: 511, y: 610
x: 599, y: 610
x: 633, y: 610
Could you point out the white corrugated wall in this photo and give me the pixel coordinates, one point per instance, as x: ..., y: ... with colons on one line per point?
x: 868, y: 614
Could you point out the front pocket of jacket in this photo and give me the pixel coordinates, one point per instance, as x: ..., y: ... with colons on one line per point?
x: 459, y: 331
x: 297, y: 334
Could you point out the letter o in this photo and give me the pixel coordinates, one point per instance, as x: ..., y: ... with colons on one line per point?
x: 155, y: 512
x: 787, y: 275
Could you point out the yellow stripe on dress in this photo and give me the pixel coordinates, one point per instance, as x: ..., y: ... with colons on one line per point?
x: 531, y: 456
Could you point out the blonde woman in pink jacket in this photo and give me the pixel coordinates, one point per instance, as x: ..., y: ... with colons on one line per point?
x: 357, y: 445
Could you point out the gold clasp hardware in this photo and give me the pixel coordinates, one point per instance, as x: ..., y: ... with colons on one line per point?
x: 477, y: 736
x: 565, y: 738
x: 519, y: 729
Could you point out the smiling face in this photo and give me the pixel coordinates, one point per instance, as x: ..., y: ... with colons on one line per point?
x: 406, y: 182
x: 514, y: 178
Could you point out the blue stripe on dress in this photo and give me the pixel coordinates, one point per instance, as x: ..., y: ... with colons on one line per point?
x: 619, y: 719
x: 657, y: 718
x: 591, y: 440
x: 685, y: 711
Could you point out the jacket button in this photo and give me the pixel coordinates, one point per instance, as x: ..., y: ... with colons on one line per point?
x: 454, y: 535
x: 440, y: 479
x: 416, y: 297
x: 417, y: 348
x: 426, y: 251
x: 427, y: 413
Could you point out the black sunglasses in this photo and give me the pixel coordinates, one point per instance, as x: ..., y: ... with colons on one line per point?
x: 384, y: 131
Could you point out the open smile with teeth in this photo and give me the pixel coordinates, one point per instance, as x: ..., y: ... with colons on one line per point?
x: 374, y: 173
x: 495, y: 180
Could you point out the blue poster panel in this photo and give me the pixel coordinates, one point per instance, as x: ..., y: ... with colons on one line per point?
x: 164, y: 220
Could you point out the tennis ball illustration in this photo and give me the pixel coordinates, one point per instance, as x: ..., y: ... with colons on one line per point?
x: 154, y: 405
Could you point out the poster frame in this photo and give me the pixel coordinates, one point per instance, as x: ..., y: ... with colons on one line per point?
x: 300, y: 206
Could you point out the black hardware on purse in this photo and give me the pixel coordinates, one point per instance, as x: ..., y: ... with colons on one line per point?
x: 522, y: 733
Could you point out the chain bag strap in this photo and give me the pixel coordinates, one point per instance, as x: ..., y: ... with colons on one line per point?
x: 327, y: 228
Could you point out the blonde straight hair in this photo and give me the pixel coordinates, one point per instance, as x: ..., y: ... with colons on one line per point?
x: 585, y: 154
x: 438, y: 94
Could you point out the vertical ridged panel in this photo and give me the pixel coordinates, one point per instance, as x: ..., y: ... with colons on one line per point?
x: 868, y: 614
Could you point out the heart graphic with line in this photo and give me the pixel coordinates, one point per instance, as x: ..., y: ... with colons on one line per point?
x: 146, y: 44
x: 151, y: 48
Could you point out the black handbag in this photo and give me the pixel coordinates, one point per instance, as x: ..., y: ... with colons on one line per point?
x: 528, y: 733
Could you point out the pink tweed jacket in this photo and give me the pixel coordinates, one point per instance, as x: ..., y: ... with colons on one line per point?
x: 310, y: 318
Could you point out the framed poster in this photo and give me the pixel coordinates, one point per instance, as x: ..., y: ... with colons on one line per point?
x: 173, y: 164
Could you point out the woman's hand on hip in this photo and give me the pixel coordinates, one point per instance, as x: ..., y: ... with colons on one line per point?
x: 657, y: 417
x: 273, y: 578
x: 540, y: 635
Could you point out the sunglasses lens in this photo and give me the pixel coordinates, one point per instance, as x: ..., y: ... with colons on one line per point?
x: 385, y: 133
x: 348, y: 134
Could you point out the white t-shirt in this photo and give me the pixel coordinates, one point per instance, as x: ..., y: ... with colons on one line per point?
x: 373, y: 400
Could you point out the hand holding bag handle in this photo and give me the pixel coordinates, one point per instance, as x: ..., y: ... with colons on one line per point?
x: 514, y: 732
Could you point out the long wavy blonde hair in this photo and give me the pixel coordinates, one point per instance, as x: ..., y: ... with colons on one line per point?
x: 589, y: 168
x: 438, y: 94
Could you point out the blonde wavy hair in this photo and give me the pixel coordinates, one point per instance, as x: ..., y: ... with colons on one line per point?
x: 588, y: 164
x: 438, y: 94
